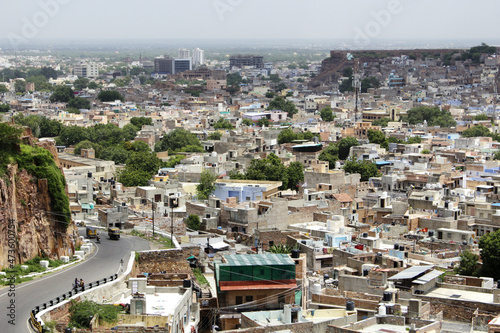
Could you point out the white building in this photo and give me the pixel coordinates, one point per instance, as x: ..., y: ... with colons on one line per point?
x: 88, y: 70
x: 198, y: 57
x: 184, y: 54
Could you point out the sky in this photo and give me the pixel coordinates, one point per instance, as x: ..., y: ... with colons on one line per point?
x: 361, y: 22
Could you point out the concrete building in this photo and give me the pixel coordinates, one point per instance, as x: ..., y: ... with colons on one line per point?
x: 243, y: 61
x: 198, y: 57
x: 89, y: 70
x: 246, y: 190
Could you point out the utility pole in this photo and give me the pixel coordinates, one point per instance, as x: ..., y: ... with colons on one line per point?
x: 152, y: 208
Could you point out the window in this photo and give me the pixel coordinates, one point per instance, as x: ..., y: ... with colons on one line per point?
x: 239, y: 300
x: 271, y: 243
x: 248, y: 298
x: 448, y: 235
x: 463, y: 237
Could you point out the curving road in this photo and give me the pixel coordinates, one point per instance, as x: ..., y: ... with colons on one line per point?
x: 105, y: 261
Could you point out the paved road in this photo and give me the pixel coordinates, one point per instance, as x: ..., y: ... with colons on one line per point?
x: 102, y: 263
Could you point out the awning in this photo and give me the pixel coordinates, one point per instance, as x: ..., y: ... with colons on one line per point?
x: 219, y: 246
x: 252, y: 285
x: 428, y: 277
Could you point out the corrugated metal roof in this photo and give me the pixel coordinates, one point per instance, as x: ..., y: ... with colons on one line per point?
x: 428, y: 277
x: 258, y: 259
x: 411, y: 272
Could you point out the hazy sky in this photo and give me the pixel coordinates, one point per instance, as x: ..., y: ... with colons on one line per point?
x: 362, y: 21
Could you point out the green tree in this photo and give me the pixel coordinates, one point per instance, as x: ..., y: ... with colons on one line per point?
x: 287, y: 135
x: 366, y: 169
x: 193, y: 222
x: 10, y: 137
x: 270, y: 94
x: 4, y: 108
x: 71, y: 135
x: 330, y: 154
x: 327, y: 114
x: 382, y: 122
x: 49, y: 73
x: 3, y: 88
x: 176, y: 140
x: 141, y: 121
x: 490, y: 254
x: 263, y: 122
x: 86, y: 144
x: 433, y: 115
x: 62, y: 94
x: 496, y: 156
x: 247, y: 122
x: 79, y: 103
x: 110, y: 96
x: 115, y: 153
x: 426, y: 151
x: 223, y: 123
x: 173, y: 161
x: 369, y: 82
x: 345, y: 145
x: 20, y: 86
x: 280, y: 103
x: 294, y: 175
x: 481, y: 116
x: 414, y: 139
x: 235, y: 174
x: 469, y: 263
x: 81, y: 83
x: 478, y: 130
x: 377, y: 137
x: 269, y: 168
x: 129, y: 132
x: 207, y: 185
x: 215, y: 136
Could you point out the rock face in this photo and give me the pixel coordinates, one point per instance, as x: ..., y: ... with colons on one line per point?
x: 26, y: 201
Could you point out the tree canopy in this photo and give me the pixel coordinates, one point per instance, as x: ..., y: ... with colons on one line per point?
x: 287, y: 135
x: 280, y: 103
x: 382, y: 122
x: 140, y: 121
x: 490, y: 254
x: 366, y: 169
x: 344, y: 146
x: 62, y: 94
x: 433, y: 115
x: 176, y: 140
x: 223, y: 123
x: 110, y: 96
x: 469, y: 263
x: 206, y: 185
x: 193, y: 222
x: 478, y: 130
x: 327, y: 114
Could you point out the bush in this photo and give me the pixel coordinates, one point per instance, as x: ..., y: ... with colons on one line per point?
x: 81, y: 313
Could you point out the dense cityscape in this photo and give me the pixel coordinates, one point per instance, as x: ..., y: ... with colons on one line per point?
x: 249, y: 185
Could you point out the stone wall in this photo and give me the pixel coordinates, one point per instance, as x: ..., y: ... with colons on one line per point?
x: 459, y: 310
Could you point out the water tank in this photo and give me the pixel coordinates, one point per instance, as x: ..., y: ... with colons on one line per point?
x: 381, y: 310
x: 303, y: 242
x: 89, y: 175
x: 326, y: 277
x: 431, y: 233
x: 349, y: 306
x: 295, y: 253
x: 387, y: 296
x: 68, y: 330
x: 365, y: 234
x: 316, y: 288
x: 186, y: 284
x: 396, y: 246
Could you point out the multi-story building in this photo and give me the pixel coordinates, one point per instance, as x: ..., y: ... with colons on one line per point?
x: 242, y: 61
x: 184, y: 54
x: 198, y: 57
x: 88, y: 70
x: 163, y: 65
x: 181, y: 65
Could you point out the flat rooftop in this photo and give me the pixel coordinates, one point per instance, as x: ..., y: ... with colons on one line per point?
x: 462, y: 295
x: 386, y: 328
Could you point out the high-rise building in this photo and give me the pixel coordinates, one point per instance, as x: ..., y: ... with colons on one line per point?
x: 183, y: 54
x: 88, y: 70
x: 163, y: 65
x: 246, y: 60
x: 198, y: 57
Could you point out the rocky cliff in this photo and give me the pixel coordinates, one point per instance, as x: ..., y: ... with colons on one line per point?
x: 26, y: 200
